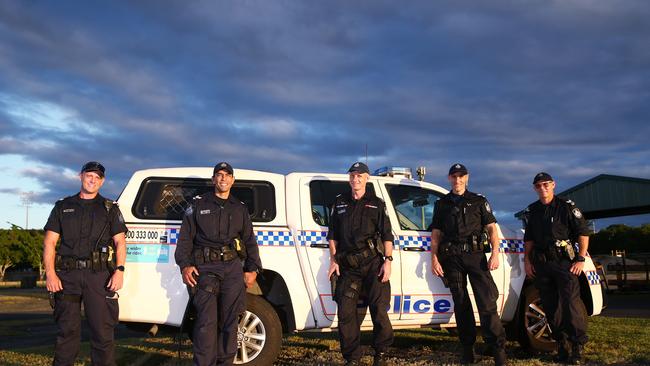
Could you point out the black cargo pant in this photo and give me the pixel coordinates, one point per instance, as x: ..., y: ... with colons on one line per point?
x: 219, y: 300
x: 474, y: 265
x: 349, y: 287
x: 101, y: 310
x: 559, y: 290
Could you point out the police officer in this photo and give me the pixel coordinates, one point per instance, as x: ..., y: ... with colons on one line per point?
x: 87, y: 267
x: 215, y: 236
x: 463, y: 223
x: 361, y: 248
x: 553, y: 225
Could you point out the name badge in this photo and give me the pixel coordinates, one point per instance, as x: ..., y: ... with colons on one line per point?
x: 204, y: 212
x: 68, y: 210
x: 371, y: 206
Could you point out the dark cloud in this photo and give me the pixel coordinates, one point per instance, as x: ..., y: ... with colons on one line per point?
x: 507, y: 88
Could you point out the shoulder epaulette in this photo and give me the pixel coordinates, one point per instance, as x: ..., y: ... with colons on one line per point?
x: 197, y: 197
x: 570, y: 202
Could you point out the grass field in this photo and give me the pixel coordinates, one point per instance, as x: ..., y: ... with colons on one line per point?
x: 613, y: 341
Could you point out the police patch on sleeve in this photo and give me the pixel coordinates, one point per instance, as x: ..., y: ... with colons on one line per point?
x: 577, y: 213
x: 189, y: 210
x: 487, y: 207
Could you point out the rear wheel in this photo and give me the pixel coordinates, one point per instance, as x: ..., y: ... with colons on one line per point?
x: 535, y: 331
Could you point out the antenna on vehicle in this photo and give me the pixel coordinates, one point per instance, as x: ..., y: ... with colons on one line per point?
x: 366, y: 154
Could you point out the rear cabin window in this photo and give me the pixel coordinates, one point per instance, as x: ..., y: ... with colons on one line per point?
x: 323, y: 194
x: 161, y: 198
x: 413, y: 206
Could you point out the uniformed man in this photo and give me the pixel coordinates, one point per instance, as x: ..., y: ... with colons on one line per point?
x: 87, y: 267
x: 215, y: 236
x: 553, y: 225
x: 361, y: 248
x: 463, y: 227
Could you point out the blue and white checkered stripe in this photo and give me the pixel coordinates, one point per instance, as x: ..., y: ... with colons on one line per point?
x: 173, y: 236
x: 593, y: 277
x: 411, y: 241
x: 312, y: 237
x: 511, y: 246
x: 274, y: 238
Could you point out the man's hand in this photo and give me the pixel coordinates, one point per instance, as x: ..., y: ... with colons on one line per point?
x: 53, y: 282
x: 334, y: 267
x: 530, y: 270
x: 188, y: 275
x: 493, y: 262
x: 385, y: 270
x: 436, y: 268
x: 116, y: 281
x: 249, y: 278
x: 576, y: 268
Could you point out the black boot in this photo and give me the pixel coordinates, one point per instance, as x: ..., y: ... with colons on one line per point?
x: 467, y: 356
x: 576, y: 354
x: 499, y: 357
x: 562, y: 355
x: 352, y: 363
x: 380, y: 359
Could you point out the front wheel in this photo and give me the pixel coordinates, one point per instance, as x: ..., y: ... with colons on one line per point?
x: 259, y: 333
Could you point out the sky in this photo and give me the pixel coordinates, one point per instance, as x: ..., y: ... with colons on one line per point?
x: 508, y: 88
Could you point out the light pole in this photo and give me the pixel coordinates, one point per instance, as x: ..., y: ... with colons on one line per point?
x: 26, y: 199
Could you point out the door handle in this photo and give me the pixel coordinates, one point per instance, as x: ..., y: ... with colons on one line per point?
x: 319, y: 245
x: 413, y: 249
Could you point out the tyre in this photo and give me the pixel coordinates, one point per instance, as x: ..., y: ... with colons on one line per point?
x: 259, y: 333
x: 535, y: 332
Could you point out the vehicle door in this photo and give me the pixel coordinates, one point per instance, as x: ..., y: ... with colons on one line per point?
x: 317, y: 196
x: 424, y: 298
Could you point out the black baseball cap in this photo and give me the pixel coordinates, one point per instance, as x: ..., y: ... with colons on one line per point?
x: 359, y: 167
x: 458, y: 168
x: 93, y: 166
x: 542, y: 177
x: 222, y: 166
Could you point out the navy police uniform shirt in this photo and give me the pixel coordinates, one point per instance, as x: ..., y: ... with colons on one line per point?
x: 559, y: 220
x: 79, y: 222
x: 214, y: 222
x: 353, y: 222
x: 460, y: 216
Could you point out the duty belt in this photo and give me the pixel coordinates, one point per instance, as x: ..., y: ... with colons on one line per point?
x: 357, y: 259
x: 203, y: 255
x: 68, y: 263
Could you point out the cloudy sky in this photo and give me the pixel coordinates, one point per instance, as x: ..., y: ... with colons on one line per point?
x: 509, y: 88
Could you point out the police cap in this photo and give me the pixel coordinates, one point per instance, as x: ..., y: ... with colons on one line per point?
x: 93, y: 166
x: 542, y: 177
x: 458, y: 168
x: 359, y: 167
x: 222, y: 166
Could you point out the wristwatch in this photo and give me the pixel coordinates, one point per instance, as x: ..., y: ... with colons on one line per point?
x: 389, y: 257
x: 580, y: 258
x: 120, y: 268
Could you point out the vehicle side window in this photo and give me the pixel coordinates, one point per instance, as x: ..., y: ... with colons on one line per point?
x: 413, y: 206
x: 323, y: 194
x: 161, y: 198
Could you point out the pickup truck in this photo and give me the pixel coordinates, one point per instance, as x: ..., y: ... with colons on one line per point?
x: 290, y: 214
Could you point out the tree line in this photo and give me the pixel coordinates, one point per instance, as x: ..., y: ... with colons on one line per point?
x: 621, y: 237
x: 21, y: 248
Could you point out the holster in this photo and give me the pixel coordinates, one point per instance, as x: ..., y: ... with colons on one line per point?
x: 565, y: 248
x: 240, y: 248
x: 333, y: 278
